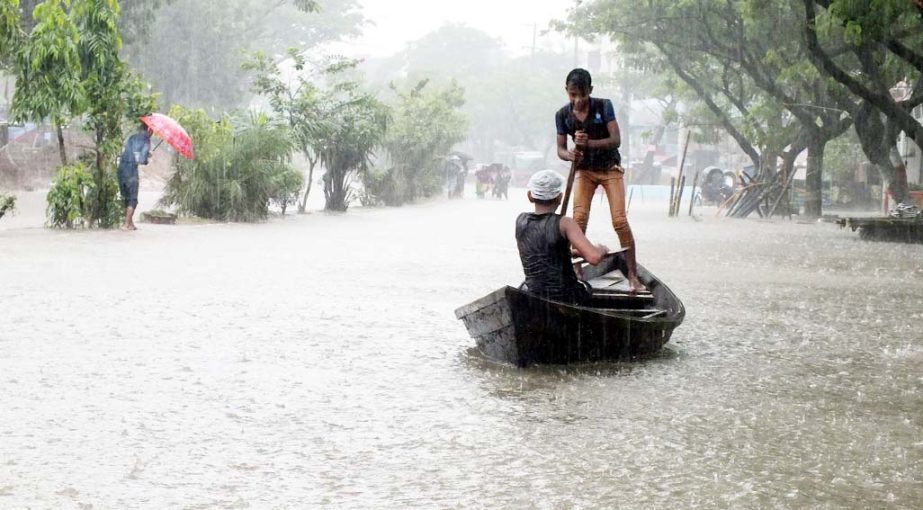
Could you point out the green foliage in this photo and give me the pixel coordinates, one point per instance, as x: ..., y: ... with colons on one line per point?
x: 299, y: 103
x: 286, y: 188
x: 68, y: 196
x: 10, y: 33
x: 48, y: 70
x: 7, y: 204
x: 72, y: 199
x: 195, y: 48
x: 359, y: 125
x: 427, y: 123
x: 70, y: 66
x: 237, y: 172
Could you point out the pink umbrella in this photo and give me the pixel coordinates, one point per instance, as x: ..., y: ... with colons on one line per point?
x: 171, y: 132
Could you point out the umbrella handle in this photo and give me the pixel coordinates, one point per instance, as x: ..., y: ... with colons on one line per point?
x: 155, y: 147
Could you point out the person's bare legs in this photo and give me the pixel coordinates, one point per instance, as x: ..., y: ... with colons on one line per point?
x: 631, y: 262
x: 129, y: 219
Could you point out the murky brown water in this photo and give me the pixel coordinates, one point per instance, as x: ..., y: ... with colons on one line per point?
x: 315, y: 362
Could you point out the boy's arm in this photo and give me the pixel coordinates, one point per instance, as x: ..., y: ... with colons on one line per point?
x: 591, y: 253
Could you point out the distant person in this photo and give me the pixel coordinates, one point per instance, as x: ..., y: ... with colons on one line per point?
x: 502, y: 186
x: 592, y: 125
x: 545, y: 239
x: 137, y: 151
x: 483, y: 180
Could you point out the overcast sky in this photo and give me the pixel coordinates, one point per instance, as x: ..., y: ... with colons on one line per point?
x: 400, y: 21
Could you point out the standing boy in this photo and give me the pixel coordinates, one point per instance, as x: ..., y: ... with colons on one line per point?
x: 591, y: 123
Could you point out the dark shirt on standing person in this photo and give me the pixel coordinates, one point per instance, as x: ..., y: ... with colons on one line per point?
x: 140, y: 143
x: 596, y: 126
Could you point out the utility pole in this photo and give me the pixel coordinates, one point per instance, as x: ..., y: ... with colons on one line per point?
x: 576, y: 38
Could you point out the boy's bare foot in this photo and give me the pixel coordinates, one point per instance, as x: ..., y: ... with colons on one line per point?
x: 635, y: 286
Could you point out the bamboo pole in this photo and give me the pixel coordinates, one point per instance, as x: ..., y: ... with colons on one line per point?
x: 695, y: 181
x: 679, y: 177
x: 672, y: 188
x: 679, y: 196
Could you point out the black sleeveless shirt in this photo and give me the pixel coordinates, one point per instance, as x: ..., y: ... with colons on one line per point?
x: 596, y: 126
x: 546, y: 258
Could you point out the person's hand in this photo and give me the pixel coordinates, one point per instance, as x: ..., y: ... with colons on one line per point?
x: 603, y: 250
x: 574, y: 155
x: 581, y: 138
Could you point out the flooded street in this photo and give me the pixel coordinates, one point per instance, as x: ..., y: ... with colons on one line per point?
x: 315, y: 361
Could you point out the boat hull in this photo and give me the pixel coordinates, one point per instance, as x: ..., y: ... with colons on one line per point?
x: 517, y: 327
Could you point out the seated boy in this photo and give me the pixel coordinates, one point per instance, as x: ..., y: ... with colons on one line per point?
x: 544, y: 239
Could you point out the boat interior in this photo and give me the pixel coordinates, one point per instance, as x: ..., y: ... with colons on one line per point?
x: 611, y: 294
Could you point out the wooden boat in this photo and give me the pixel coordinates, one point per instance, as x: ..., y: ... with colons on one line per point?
x: 514, y: 326
x: 902, y: 230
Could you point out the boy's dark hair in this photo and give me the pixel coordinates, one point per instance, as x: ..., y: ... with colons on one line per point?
x: 579, y: 78
x: 544, y: 202
x: 142, y: 126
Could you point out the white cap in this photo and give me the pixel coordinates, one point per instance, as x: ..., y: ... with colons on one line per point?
x: 546, y: 185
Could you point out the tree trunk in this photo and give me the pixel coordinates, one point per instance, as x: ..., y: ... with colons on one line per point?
x: 898, y: 187
x: 303, y: 206
x: 813, y: 205
x: 62, y: 151
x: 99, y: 178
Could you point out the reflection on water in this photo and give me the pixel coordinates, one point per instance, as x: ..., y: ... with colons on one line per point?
x: 316, y: 361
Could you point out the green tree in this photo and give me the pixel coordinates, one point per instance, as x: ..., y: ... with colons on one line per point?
x: 48, y: 71
x: 427, y: 123
x: 359, y: 125
x: 9, y: 28
x: 746, y: 54
x: 302, y: 104
x: 113, y: 94
x: 195, y: 48
x: 870, y: 47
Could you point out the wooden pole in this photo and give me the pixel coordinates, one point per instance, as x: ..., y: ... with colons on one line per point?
x: 672, y: 188
x: 679, y: 196
x: 679, y: 177
x: 570, y: 186
x: 695, y: 181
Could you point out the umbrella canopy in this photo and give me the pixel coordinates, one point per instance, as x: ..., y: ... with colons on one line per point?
x: 171, y: 132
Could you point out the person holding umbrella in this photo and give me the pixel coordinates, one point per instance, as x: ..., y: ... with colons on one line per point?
x: 136, y: 152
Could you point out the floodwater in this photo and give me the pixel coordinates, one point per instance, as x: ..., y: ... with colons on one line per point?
x: 315, y: 362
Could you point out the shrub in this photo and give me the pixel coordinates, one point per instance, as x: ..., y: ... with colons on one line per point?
x: 7, y: 204
x: 286, y: 187
x: 74, y: 197
x: 67, y: 198
x: 236, y: 173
